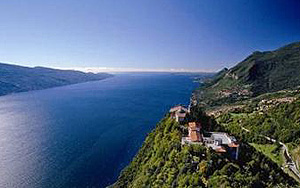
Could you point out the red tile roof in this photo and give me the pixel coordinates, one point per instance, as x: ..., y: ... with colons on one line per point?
x: 195, y: 136
x: 194, y: 131
x: 194, y: 125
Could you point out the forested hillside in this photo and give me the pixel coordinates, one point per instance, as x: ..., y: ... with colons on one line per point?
x: 163, y: 162
x: 259, y: 73
x: 280, y: 122
x: 260, y: 96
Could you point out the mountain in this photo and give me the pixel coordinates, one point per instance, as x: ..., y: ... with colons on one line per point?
x: 14, y: 78
x: 259, y: 73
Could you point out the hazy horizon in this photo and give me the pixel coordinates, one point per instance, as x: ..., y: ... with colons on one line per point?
x: 118, y: 69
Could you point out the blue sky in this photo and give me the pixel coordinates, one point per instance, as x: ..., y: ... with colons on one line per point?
x: 143, y: 34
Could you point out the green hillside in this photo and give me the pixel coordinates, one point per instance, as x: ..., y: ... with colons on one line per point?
x: 279, y: 122
x: 259, y: 73
x: 163, y: 162
x: 252, y: 106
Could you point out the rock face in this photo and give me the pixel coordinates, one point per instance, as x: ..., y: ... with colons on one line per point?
x: 15, y: 78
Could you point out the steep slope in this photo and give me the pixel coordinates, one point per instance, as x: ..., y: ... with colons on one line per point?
x: 15, y: 78
x: 270, y: 71
x: 163, y: 162
x: 259, y: 73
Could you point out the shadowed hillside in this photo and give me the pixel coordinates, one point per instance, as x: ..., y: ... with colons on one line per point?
x: 15, y: 78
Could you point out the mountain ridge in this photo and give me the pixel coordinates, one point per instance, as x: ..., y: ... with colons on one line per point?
x: 259, y: 73
x: 15, y: 78
x: 260, y: 68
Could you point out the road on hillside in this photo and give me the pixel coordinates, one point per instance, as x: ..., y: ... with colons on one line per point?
x: 288, y: 159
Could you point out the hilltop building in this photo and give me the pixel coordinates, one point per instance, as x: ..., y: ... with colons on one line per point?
x: 179, y: 113
x: 194, y: 134
x: 222, y: 143
x: 219, y: 141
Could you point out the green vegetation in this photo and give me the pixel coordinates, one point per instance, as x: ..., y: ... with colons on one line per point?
x: 295, y: 153
x: 251, y: 95
x: 273, y: 151
x: 261, y: 72
x: 163, y: 162
x: 280, y: 122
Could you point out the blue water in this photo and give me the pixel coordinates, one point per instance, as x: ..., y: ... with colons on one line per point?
x: 82, y: 135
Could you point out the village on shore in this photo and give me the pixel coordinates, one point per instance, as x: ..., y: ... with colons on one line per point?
x: 220, y: 142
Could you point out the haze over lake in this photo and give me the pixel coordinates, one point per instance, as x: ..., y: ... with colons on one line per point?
x: 84, y: 134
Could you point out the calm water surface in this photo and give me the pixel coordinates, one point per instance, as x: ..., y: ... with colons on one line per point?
x: 82, y: 135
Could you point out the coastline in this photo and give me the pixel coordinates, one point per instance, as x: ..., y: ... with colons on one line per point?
x: 164, y: 161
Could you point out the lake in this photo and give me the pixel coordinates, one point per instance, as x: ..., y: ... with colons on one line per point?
x: 83, y: 135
